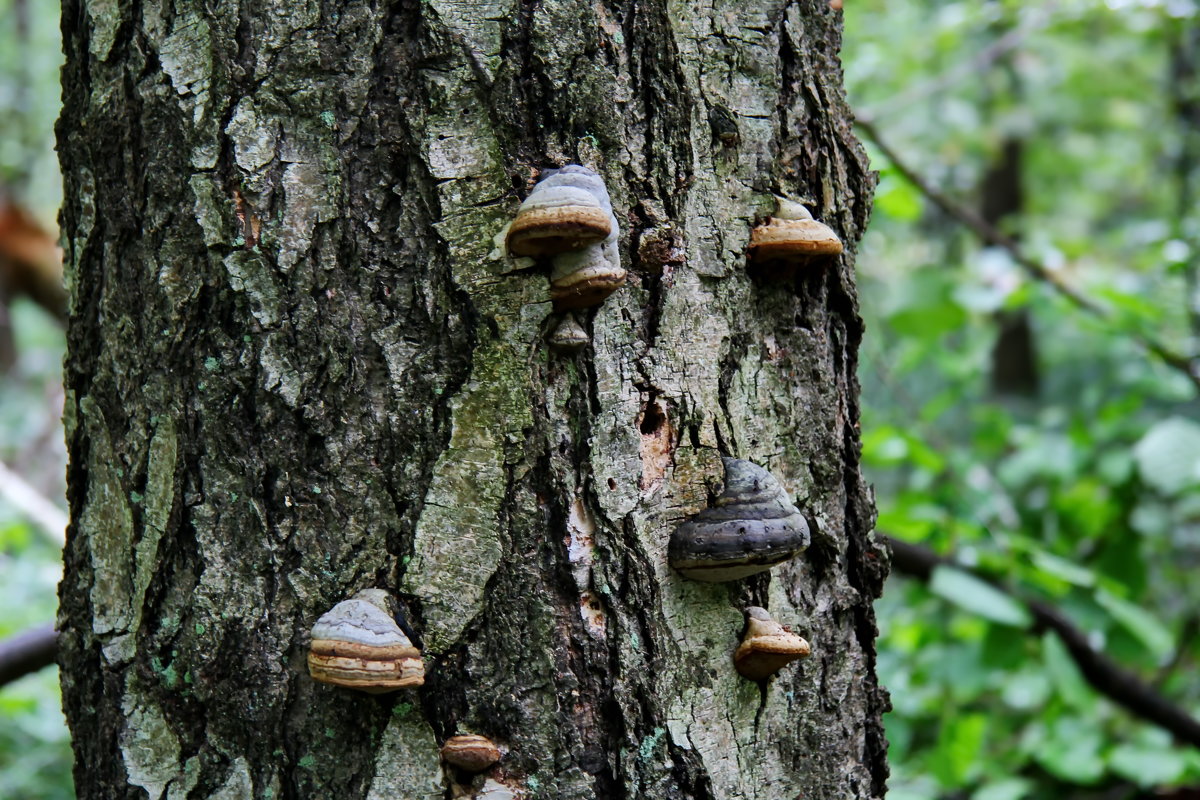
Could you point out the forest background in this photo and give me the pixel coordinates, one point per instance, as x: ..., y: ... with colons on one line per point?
x: 1031, y: 288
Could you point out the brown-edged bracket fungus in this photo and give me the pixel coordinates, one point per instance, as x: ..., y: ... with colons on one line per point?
x: 358, y: 644
x: 750, y: 528
x: 767, y: 646
x: 470, y: 752
x: 789, y: 240
x: 569, y: 218
x: 568, y: 336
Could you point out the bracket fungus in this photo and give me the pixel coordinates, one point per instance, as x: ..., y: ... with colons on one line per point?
x: 567, y: 209
x: 568, y: 335
x: 358, y: 644
x: 767, y: 646
x: 791, y: 239
x: 470, y: 752
x: 750, y: 528
x: 568, y: 217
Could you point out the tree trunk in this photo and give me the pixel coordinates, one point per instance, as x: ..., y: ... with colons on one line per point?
x: 301, y: 364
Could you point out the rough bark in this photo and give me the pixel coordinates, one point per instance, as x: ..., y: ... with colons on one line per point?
x: 301, y: 365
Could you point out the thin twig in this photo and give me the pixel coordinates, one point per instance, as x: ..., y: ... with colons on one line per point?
x: 1105, y: 675
x: 1037, y: 270
x: 48, y: 517
x: 28, y: 651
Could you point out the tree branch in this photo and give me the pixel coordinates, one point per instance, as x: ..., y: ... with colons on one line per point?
x: 49, y: 518
x: 28, y: 651
x: 1105, y: 675
x: 1037, y: 270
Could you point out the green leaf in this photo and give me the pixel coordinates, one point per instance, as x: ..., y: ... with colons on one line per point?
x: 978, y: 597
x: 1143, y: 625
x: 959, y: 744
x: 897, y: 198
x: 1072, y: 751
x: 1007, y: 789
x: 1168, y: 456
x: 1147, y: 767
x: 1064, y: 673
x: 1063, y: 569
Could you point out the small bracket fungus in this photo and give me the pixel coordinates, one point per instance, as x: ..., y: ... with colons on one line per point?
x: 767, y: 646
x: 568, y: 336
x: 583, y: 278
x: 791, y: 239
x: 359, y: 645
x: 470, y: 752
x: 751, y: 527
x: 569, y: 217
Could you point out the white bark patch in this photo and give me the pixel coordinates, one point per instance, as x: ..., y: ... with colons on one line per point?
x: 581, y: 545
x: 108, y: 525
x: 254, y: 140
x: 160, y: 496
x: 238, y: 786
x: 248, y: 273
x: 408, y: 764
x: 581, y: 542
x: 106, y: 18
x: 279, y: 375
x: 307, y: 190
x: 149, y: 747
x: 477, y: 23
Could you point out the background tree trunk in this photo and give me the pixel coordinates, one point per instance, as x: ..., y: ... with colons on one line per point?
x: 299, y: 365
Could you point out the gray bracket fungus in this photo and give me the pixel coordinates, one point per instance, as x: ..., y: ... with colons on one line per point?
x: 568, y: 217
x: 750, y: 528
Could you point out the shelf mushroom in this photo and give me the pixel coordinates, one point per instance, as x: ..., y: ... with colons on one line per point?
x: 750, y: 528
x: 767, y: 646
x: 359, y: 645
x: 791, y: 239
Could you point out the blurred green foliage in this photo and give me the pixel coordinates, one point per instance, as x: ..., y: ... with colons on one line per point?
x: 1086, y: 495
x: 35, y: 756
x: 30, y: 57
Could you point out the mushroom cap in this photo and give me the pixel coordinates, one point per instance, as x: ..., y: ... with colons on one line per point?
x: 751, y: 527
x: 767, y: 646
x: 470, y: 752
x: 359, y: 645
x: 556, y: 229
x: 800, y: 240
x: 569, y: 334
x: 584, y: 278
x: 568, y: 209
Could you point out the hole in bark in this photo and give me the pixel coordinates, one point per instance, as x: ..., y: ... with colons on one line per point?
x: 657, y: 441
x: 612, y: 485
x: 652, y: 417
